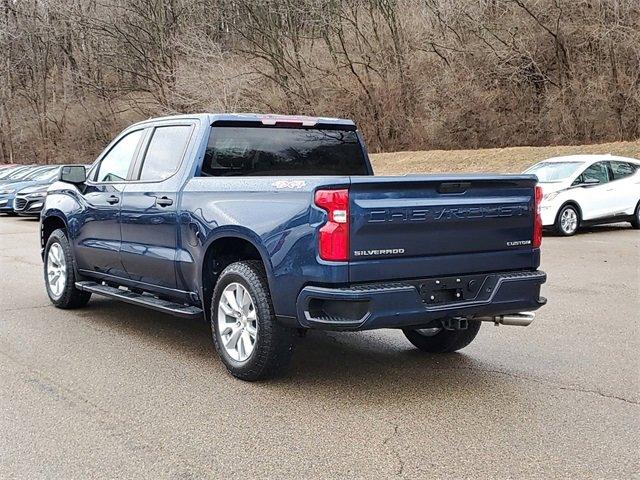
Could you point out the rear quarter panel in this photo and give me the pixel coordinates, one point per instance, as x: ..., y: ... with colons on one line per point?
x: 275, y: 214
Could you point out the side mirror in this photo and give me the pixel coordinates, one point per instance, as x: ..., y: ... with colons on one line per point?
x: 76, y: 174
x: 591, y: 181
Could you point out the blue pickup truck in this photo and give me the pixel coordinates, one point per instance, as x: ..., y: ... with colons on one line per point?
x: 270, y: 225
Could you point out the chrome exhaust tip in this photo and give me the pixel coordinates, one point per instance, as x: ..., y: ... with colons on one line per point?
x: 522, y: 319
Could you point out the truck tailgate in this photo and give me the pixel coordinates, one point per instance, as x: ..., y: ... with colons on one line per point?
x: 421, y: 226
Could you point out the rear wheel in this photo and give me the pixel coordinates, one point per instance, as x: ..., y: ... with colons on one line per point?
x: 59, y: 274
x: 567, y: 221
x: 635, y: 221
x: 440, y: 340
x: 249, y: 340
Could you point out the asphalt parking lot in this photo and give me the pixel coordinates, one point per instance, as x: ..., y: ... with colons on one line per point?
x: 114, y: 390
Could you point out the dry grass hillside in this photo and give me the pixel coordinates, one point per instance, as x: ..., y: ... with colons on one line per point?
x: 512, y: 159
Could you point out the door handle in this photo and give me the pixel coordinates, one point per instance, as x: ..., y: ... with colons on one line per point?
x: 164, y: 201
x: 112, y: 200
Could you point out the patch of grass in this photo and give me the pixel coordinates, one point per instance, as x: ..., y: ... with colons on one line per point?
x: 511, y: 160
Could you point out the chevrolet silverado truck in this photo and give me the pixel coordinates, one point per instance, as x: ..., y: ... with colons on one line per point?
x: 267, y: 226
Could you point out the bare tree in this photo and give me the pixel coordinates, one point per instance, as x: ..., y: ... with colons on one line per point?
x: 414, y: 74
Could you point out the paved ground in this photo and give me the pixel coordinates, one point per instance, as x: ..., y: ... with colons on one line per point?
x: 117, y: 391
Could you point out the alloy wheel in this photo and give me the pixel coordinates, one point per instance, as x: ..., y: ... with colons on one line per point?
x: 237, y: 322
x: 56, y: 270
x: 569, y: 221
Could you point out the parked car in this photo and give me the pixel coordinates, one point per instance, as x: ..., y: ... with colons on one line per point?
x: 267, y: 224
x: 28, y: 202
x: 14, y: 172
x: 25, y: 172
x: 582, y: 190
x: 35, y: 177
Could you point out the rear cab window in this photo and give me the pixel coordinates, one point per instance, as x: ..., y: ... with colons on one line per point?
x: 275, y: 151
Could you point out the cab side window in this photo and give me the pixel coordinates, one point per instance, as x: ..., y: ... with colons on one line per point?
x: 622, y: 169
x: 165, y: 151
x: 115, y: 164
x: 596, y: 173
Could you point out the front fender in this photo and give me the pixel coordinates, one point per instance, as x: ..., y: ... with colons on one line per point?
x: 63, y: 200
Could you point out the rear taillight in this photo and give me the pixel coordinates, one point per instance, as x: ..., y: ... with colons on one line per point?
x: 333, y: 236
x: 536, y: 241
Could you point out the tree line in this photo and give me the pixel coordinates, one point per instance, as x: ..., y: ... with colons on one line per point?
x: 414, y: 74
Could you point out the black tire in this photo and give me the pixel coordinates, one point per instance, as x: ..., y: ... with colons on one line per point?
x: 70, y: 296
x: 558, y: 226
x: 445, y: 341
x: 274, y: 343
x: 635, y: 221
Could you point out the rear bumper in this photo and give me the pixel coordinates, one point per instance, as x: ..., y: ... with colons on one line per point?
x: 416, y: 303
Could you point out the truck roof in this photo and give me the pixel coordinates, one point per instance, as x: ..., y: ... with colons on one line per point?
x: 264, y: 118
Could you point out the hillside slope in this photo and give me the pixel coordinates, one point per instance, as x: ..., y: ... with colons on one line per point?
x: 512, y: 159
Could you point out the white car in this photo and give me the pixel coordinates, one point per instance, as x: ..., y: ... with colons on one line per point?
x: 581, y: 190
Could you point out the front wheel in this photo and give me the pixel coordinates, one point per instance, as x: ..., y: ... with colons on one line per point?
x: 249, y: 340
x: 59, y: 274
x: 568, y: 221
x: 441, y: 340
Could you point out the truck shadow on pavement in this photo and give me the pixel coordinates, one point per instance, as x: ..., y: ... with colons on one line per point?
x: 358, y: 366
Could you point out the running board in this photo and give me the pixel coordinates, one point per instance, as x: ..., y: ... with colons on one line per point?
x: 144, y: 300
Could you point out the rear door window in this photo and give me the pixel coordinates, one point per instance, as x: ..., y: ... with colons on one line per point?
x: 622, y: 169
x: 114, y: 166
x: 266, y: 151
x: 165, y: 151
